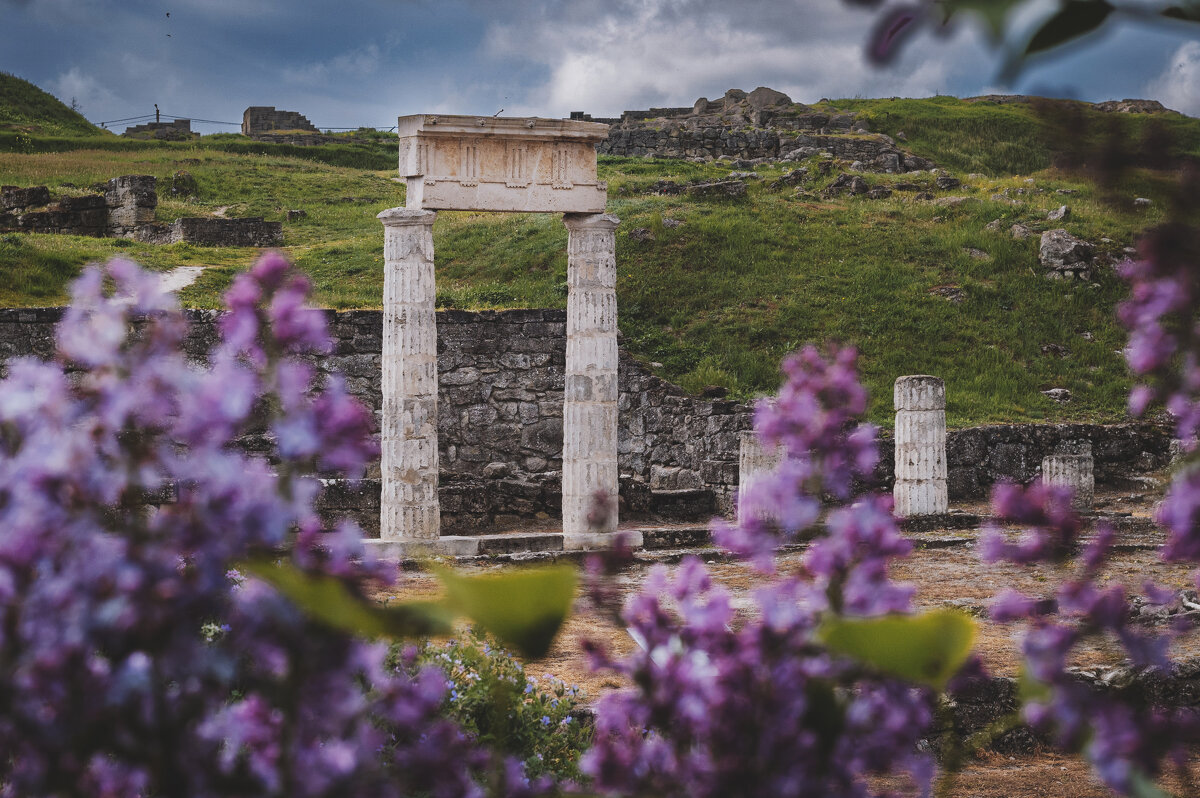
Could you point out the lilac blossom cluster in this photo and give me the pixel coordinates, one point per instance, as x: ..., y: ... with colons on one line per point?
x: 756, y: 705
x: 824, y: 451
x: 1126, y: 739
x: 1164, y: 349
x: 1123, y: 737
x: 134, y: 658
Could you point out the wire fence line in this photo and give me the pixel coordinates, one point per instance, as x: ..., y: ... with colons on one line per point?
x: 143, y: 118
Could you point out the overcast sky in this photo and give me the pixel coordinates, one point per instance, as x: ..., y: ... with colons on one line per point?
x: 365, y: 62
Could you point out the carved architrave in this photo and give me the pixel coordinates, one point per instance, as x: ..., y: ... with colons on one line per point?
x: 501, y: 164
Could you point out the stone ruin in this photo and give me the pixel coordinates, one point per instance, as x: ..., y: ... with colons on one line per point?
x: 499, y: 164
x: 175, y: 130
x: 762, y: 124
x: 265, y: 119
x: 264, y: 123
x: 126, y: 209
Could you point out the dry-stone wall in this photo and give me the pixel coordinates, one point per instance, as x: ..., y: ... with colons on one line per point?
x: 126, y: 203
x: 501, y: 377
x: 249, y: 231
x: 716, y: 142
x: 126, y: 209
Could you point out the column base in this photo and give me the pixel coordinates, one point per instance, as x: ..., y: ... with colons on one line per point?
x: 598, y: 541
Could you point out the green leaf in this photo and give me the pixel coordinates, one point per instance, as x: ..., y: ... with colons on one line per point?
x: 928, y: 648
x: 523, y: 608
x: 330, y: 602
x: 994, y: 12
x: 1074, y: 19
x: 1140, y: 786
x: 1030, y: 689
x: 1189, y: 12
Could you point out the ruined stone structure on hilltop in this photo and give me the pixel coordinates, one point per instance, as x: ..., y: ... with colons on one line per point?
x: 762, y: 124
x: 175, y: 130
x: 259, y: 119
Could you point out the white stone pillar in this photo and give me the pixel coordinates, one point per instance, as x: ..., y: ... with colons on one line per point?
x: 754, y: 462
x: 590, y: 401
x: 1073, y: 471
x: 409, y: 457
x: 920, y: 487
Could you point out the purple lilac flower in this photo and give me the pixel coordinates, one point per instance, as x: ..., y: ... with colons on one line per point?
x: 1118, y: 733
x: 108, y: 684
x: 812, y: 419
x: 703, y: 684
x: 729, y: 706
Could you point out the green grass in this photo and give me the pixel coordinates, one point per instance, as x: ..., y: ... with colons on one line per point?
x: 1006, y: 139
x: 374, y: 154
x: 716, y: 301
x: 27, y: 110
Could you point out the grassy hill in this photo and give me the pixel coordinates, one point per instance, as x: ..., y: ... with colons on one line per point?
x: 1014, y: 138
x: 26, y: 109
x: 711, y: 291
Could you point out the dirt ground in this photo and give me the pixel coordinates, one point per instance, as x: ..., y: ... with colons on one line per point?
x: 946, y: 573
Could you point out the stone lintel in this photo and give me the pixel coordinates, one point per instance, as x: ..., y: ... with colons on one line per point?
x: 470, y: 163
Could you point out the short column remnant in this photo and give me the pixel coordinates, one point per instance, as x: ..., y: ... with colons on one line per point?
x: 755, y: 461
x: 920, y: 487
x: 1073, y: 471
x: 409, y: 457
x: 590, y: 407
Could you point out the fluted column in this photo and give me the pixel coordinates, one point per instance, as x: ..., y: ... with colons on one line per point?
x: 1074, y: 471
x: 590, y: 402
x: 409, y: 460
x: 754, y: 463
x: 920, y: 487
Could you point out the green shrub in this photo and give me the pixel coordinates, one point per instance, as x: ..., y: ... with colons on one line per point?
x: 492, y: 698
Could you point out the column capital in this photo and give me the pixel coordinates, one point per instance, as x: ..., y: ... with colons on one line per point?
x: 403, y: 217
x: 590, y: 221
x: 919, y: 392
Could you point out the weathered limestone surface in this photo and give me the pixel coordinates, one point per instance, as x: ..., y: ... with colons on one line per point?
x: 1072, y: 471
x: 920, y: 487
x: 409, y: 457
x: 590, y: 485
x: 473, y: 163
x: 754, y: 462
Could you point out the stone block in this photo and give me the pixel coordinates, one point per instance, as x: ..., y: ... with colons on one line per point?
x: 250, y: 231
x: 501, y: 163
x: 14, y: 198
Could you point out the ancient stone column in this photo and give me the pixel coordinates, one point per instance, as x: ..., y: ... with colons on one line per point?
x: 409, y: 457
x: 590, y: 402
x: 1073, y: 471
x: 754, y: 462
x: 920, y: 487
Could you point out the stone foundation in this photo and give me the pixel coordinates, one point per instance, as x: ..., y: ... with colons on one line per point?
x: 126, y: 210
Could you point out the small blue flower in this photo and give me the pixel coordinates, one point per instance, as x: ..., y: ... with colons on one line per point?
x: 545, y: 720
